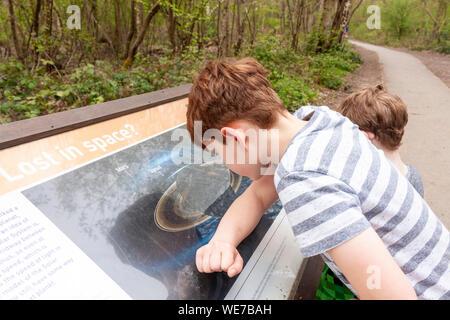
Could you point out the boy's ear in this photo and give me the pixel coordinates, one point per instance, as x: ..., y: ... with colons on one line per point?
x: 236, y: 134
x: 369, y: 135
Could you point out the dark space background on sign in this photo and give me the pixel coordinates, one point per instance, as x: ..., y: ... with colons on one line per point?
x: 107, y: 209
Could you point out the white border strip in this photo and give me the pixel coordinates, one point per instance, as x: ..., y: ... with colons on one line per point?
x: 252, y: 262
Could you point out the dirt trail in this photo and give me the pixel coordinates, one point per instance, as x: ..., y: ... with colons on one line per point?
x: 427, y: 138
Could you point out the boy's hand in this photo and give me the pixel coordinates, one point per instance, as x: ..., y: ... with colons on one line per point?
x: 219, y: 256
x: 220, y: 253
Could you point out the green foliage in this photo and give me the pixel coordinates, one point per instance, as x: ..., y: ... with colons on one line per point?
x: 330, y: 68
x: 27, y: 95
x: 399, y: 17
x: 285, y: 69
x: 293, y: 91
x: 404, y: 23
x: 294, y: 76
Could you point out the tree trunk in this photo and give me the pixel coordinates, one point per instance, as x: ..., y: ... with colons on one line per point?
x: 322, y: 32
x: 12, y: 21
x: 48, y: 18
x: 316, y: 7
x: 172, y: 27
x: 223, y: 34
x: 188, y: 38
x: 132, y: 30
x: 340, y: 21
x: 232, y: 25
x: 219, y: 42
x: 354, y: 9
x: 226, y: 28
x: 49, y: 45
x: 141, y: 34
x: 295, y: 15
x: 35, y: 23
x: 117, y: 25
x: 441, y: 13
x: 35, y: 28
x: 141, y: 15
x: 103, y: 36
x: 240, y: 26
x: 251, y: 22
x: 201, y: 28
x: 94, y: 9
x: 91, y: 11
x: 342, y: 24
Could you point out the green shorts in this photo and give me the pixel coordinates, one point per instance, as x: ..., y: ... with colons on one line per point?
x: 331, y: 288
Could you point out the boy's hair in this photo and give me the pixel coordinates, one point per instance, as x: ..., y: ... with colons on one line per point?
x: 230, y: 90
x: 377, y: 111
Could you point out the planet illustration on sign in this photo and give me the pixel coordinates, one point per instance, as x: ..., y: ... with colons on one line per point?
x: 196, y: 196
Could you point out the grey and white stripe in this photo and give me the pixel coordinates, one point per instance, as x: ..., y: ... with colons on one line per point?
x: 334, y: 184
x: 414, y: 178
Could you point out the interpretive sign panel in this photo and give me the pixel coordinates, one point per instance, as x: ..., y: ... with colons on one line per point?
x: 104, y: 211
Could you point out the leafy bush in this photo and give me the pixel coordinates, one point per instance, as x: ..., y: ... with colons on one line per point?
x: 404, y: 23
x: 330, y: 68
x: 293, y: 76
x: 25, y: 95
x: 294, y: 92
x: 400, y: 17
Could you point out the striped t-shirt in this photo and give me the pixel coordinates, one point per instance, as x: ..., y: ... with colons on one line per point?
x: 334, y: 184
x: 414, y: 178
